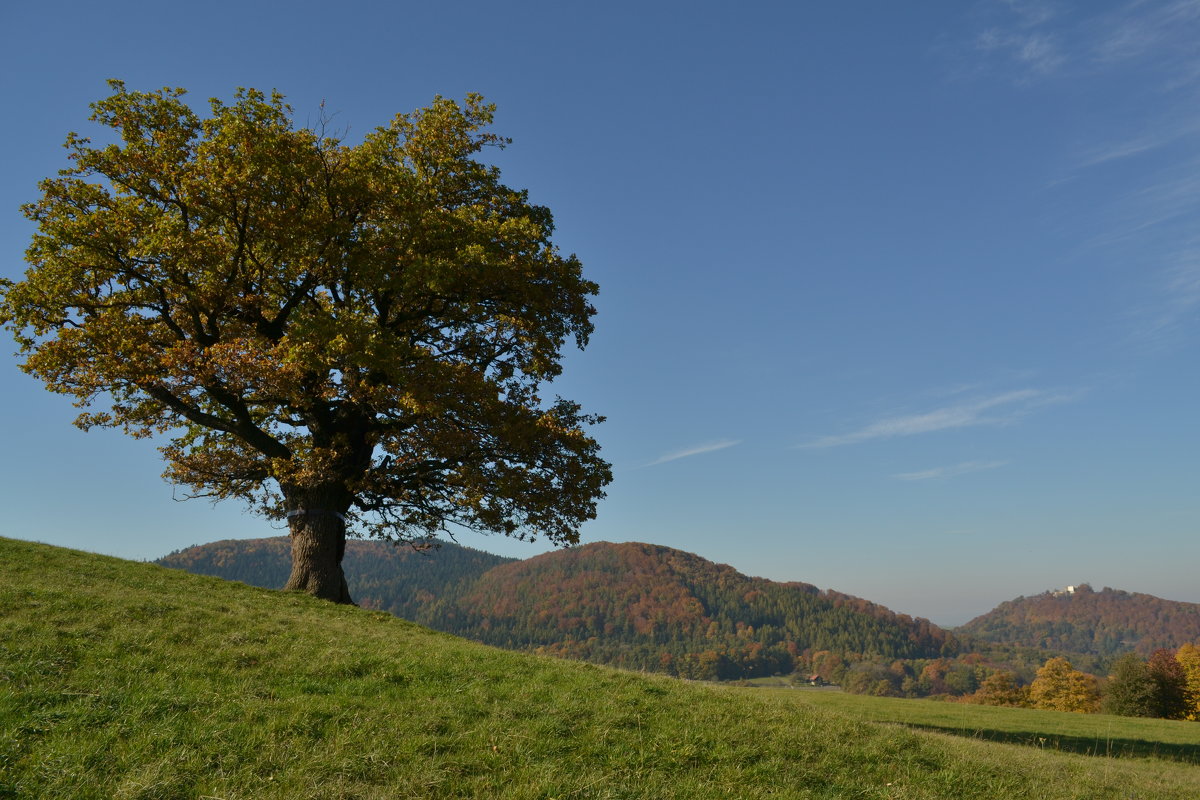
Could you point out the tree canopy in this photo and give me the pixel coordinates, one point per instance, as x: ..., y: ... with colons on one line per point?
x: 342, y: 335
x: 1061, y: 687
x: 1131, y: 690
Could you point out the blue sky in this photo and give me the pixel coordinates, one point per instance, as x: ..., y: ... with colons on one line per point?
x: 897, y: 299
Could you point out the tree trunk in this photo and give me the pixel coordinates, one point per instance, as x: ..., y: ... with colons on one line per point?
x: 318, y: 533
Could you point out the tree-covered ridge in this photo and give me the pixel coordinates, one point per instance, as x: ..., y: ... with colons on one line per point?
x: 640, y: 606
x: 652, y: 607
x: 395, y: 578
x: 1102, y: 623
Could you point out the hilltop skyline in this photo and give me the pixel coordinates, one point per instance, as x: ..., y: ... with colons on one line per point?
x: 901, y: 302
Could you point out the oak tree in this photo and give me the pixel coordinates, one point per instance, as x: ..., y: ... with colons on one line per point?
x: 349, y: 337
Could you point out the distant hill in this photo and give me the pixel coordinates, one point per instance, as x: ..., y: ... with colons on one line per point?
x: 1085, y: 621
x: 652, y: 607
x: 641, y: 606
x: 381, y: 575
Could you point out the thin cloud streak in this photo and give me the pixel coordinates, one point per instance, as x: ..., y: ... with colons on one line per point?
x: 995, y: 410
x: 1031, y: 14
x: 951, y: 471
x: 1032, y: 41
x: 1179, y: 299
x: 700, y: 449
x: 1134, y: 147
x: 1039, y: 53
x: 1142, y: 29
x: 1158, y: 159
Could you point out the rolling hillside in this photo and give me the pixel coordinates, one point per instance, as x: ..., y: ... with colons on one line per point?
x: 126, y: 680
x: 1085, y: 621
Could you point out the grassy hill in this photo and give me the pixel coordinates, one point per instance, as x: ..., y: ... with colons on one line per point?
x: 1085, y: 621
x: 128, y: 680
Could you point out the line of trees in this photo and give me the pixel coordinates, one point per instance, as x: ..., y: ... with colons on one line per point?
x: 1165, y: 685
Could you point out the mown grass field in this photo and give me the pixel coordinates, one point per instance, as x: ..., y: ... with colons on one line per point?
x: 127, y: 680
x: 1089, y: 734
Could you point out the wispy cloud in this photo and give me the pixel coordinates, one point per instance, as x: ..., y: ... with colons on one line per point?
x: 1165, y: 202
x: 697, y: 450
x: 997, y: 409
x: 949, y: 472
x: 1115, y: 151
x: 1155, y: 224
x: 1178, y: 127
x: 1140, y: 29
x: 1145, y: 165
x: 1031, y: 13
x: 1179, y: 299
x: 1031, y: 40
x: 1036, y: 53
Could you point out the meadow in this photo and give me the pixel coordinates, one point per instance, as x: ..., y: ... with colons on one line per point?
x: 128, y: 680
x: 1088, y: 734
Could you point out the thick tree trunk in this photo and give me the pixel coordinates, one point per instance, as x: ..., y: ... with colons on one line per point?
x: 318, y: 533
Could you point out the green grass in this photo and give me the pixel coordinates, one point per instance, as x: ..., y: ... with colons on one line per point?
x: 1089, y: 734
x: 127, y: 680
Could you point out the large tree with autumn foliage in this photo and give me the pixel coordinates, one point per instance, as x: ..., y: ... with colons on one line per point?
x: 1061, y: 687
x: 349, y: 337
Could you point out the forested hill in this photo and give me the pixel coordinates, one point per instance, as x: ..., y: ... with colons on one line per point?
x: 652, y: 607
x: 640, y: 606
x: 381, y: 575
x: 1085, y: 621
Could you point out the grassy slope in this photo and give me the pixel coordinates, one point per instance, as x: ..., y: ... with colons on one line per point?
x: 128, y: 680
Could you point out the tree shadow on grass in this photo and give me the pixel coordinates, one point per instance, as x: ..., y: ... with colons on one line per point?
x: 1083, y: 745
